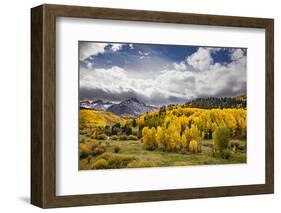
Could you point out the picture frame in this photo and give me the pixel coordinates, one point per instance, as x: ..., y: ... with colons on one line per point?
x: 43, y: 105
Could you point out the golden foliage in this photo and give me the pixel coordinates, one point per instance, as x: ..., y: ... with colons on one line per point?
x: 193, y: 146
x: 94, y: 118
x: 181, y: 125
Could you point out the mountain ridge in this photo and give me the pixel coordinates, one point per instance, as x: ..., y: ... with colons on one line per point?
x: 131, y: 107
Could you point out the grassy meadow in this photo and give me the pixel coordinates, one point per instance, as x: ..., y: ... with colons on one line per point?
x: 135, y: 156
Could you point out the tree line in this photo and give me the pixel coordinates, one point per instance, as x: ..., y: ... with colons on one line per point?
x: 214, y: 102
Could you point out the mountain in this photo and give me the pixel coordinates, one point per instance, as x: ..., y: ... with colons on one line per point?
x: 101, y: 105
x: 130, y: 107
x: 96, y: 104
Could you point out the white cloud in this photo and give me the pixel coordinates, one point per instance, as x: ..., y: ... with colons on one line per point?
x: 131, y: 46
x: 201, y: 59
x: 170, y: 85
x: 213, y: 49
x: 116, y: 47
x: 86, y: 49
x: 237, y: 54
x: 143, y: 53
x: 180, y: 66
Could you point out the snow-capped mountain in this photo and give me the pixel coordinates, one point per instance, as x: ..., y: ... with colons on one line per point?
x: 130, y: 107
x: 96, y: 104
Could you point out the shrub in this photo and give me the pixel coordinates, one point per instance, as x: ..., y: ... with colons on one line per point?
x: 84, y: 150
x: 117, y: 149
x: 221, y: 138
x: 193, y: 146
x: 102, y: 137
x: 93, y: 146
x: 82, y: 140
x: 132, y: 137
x: 89, y: 158
x: 234, y: 145
x: 82, y: 132
x: 98, y: 150
x: 114, y: 137
x: 100, y: 164
x: 123, y: 137
x: 116, y: 161
x: 135, y: 132
x: 226, y: 154
x: 183, y: 152
x: 141, y: 164
x: 241, y: 147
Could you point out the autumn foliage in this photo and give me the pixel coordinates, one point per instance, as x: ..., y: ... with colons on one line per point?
x: 182, y: 128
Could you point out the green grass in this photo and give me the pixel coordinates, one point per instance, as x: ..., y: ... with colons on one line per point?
x: 157, y: 158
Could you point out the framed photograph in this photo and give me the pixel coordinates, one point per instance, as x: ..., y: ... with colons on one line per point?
x: 138, y: 106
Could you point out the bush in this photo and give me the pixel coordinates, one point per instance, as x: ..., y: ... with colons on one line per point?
x: 116, y: 161
x: 132, y: 137
x: 82, y: 132
x: 98, y: 150
x: 114, y: 137
x: 193, y: 146
x: 242, y: 148
x: 82, y: 140
x: 221, y: 138
x: 141, y: 164
x: 89, y: 158
x: 93, y: 146
x: 84, y: 150
x: 226, y: 154
x: 100, y: 164
x: 234, y: 145
x: 123, y: 137
x: 102, y: 137
x: 117, y: 149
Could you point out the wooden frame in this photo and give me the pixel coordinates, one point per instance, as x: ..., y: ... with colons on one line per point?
x: 43, y: 106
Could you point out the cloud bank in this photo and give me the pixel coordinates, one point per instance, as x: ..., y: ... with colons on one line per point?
x: 195, y: 76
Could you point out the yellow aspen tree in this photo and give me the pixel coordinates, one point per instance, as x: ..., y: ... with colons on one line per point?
x: 160, y: 138
x: 193, y: 146
x: 145, y: 136
x: 194, y: 133
x: 153, y: 138
x: 183, y: 142
x: 177, y: 140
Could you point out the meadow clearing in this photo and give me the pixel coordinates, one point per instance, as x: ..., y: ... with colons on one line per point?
x: 133, y: 155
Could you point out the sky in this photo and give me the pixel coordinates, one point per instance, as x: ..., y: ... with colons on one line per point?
x: 160, y: 74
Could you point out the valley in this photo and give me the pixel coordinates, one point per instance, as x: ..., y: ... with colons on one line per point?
x: 131, y: 134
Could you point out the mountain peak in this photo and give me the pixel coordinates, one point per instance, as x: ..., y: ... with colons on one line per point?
x: 131, y: 106
x: 133, y: 99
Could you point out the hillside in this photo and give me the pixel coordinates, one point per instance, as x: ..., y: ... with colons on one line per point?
x: 214, y: 102
x: 93, y: 118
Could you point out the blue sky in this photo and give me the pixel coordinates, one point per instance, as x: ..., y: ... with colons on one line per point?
x: 159, y: 74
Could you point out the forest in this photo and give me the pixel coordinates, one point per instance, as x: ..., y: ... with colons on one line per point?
x: 200, y: 132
